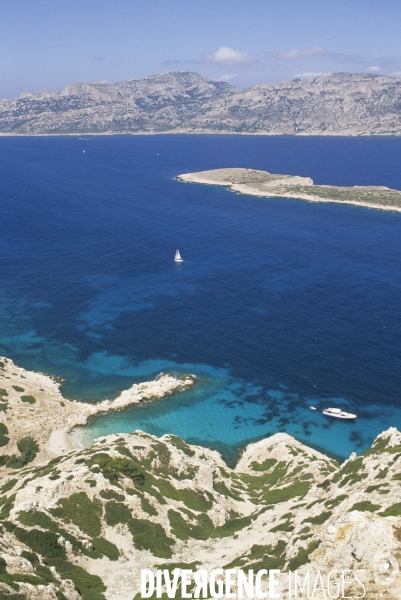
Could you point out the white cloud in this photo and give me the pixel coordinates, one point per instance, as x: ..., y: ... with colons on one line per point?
x: 227, y: 77
x: 297, y: 53
x: 373, y: 69
x: 230, y: 56
x: 308, y: 75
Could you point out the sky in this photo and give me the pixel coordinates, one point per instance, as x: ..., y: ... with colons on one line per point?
x: 48, y: 44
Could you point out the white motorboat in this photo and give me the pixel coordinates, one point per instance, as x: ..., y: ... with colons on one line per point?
x: 337, y: 413
x: 177, y: 257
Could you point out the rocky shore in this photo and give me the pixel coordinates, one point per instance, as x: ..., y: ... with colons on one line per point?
x: 32, y: 405
x: 252, y: 182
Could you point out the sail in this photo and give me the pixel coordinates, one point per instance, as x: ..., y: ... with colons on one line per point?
x: 177, y: 257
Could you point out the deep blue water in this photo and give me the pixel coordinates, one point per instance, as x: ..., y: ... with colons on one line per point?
x: 279, y: 305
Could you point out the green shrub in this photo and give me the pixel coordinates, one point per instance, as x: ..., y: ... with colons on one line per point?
x: 44, y: 543
x: 382, y: 474
x: 266, y: 557
x: 314, y: 502
x: 300, y: 488
x: 372, y: 488
x: 392, y: 511
x: 151, y: 536
x: 3, y: 565
x: 28, y: 399
x: 319, y: 519
x: 39, y: 518
x: 232, y: 526
x: 3, y: 437
x: 14, y: 578
x: 284, y: 526
x: 81, y: 511
x: 91, y: 587
x: 256, y: 482
x: 28, y: 448
x: 183, y: 529
x: 366, y: 506
x: 6, y: 506
x: 191, y: 499
x: 8, y: 486
x: 222, y: 489
x: 3, y: 406
x: 336, y: 501
x: 181, y: 445
x: 114, y: 468
x: 46, y: 574
x: 117, y: 512
x: 124, y: 450
x: 106, y: 548
x: 3, y: 392
x: 111, y: 495
x: 303, y: 556
x: 17, y: 388
x: 353, y: 478
x: 148, y: 507
x: 31, y: 556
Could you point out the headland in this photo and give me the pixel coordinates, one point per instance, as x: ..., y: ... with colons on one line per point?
x: 31, y: 404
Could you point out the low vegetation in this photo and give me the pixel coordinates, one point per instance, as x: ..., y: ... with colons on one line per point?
x: 28, y: 399
x: 366, y: 506
x: 28, y: 448
x: 302, y: 557
x: 3, y: 437
x: 81, y: 511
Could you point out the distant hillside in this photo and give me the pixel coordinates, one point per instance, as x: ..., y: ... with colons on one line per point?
x: 333, y: 104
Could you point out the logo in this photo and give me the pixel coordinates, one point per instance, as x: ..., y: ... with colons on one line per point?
x: 385, y: 568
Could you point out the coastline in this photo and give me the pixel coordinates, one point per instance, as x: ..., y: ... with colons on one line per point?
x: 27, y: 398
x: 201, y: 132
x: 263, y: 184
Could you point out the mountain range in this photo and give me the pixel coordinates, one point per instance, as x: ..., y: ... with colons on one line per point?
x: 185, y: 102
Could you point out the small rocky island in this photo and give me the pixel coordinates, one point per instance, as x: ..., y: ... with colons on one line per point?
x: 82, y: 524
x: 268, y: 185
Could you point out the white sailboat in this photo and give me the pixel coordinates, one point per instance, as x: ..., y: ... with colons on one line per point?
x: 177, y: 257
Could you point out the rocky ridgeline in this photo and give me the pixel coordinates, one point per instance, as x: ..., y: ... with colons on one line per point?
x: 332, y: 104
x: 85, y: 524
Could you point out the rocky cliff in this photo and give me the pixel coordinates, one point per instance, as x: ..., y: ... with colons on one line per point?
x: 333, y: 104
x: 83, y: 525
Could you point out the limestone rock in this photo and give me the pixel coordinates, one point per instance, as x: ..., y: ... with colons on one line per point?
x: 330, y: 104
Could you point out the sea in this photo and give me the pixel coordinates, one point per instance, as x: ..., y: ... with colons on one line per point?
x: 280, y: 305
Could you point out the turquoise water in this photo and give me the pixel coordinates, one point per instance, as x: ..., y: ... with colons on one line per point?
x: 279, y: 305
